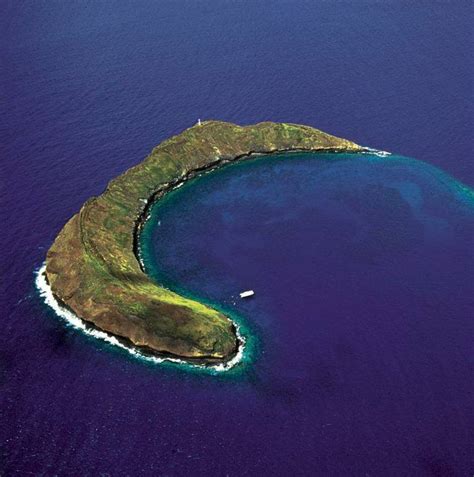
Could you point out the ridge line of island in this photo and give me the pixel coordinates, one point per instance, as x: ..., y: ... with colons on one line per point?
x: 94, y: 267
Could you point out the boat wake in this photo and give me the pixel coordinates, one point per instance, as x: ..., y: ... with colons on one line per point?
x: 73, y: 320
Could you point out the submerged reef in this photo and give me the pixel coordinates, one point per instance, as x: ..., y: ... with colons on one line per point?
x: 93, y: 267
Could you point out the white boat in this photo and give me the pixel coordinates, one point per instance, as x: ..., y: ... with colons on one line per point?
x: 247, y: 293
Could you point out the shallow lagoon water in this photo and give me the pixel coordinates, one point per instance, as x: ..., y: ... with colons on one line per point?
x: 363, y: 272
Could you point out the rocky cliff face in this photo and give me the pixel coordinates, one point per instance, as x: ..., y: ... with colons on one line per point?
x: 92, y: 266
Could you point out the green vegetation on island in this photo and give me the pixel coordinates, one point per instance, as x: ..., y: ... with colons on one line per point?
x: 92, y: 266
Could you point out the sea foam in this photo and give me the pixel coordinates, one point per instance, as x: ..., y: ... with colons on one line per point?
x: 376, y: 152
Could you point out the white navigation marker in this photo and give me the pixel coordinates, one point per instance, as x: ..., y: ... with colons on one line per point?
x: 247, y: 293
x: 199, y: 122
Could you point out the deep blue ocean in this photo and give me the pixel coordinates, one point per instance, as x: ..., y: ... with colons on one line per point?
x: 359, y: 353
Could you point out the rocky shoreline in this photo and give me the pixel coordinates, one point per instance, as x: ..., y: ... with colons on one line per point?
x: 144, y: 215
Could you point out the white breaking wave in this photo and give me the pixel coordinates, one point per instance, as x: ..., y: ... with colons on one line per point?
x: 76, y: 322
x: 377, y: 152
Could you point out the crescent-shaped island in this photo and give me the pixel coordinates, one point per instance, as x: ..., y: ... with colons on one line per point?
x: 93, y: 267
